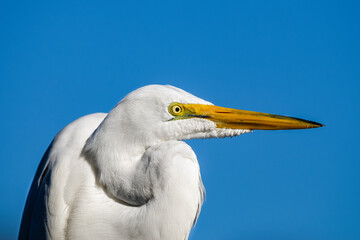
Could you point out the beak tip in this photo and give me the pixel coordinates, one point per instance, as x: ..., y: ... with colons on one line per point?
x: 314, y: 124
x: 319, y: 125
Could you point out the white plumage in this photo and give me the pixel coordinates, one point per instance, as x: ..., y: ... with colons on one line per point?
x: 126, y: 174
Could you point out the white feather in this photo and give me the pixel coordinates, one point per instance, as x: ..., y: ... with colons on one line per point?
x: 123, y: 175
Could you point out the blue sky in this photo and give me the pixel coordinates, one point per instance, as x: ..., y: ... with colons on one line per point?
x: 63, y: 60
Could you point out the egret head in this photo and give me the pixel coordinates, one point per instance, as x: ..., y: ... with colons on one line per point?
x: 160, y: 113
x: 155, y: 114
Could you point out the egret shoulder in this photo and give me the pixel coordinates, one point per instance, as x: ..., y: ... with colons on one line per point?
x: 47, y: 199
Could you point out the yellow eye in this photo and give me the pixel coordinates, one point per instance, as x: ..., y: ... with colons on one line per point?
x: 175, y: 109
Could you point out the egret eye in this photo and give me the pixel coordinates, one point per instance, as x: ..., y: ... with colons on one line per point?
x: 175, y: 109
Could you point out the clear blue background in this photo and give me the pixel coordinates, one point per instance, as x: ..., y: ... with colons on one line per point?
x: 62, y: 60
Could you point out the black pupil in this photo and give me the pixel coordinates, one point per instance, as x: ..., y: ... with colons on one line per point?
x: 177, y: 109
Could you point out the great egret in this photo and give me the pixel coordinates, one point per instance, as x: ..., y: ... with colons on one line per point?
x: 126, y: 174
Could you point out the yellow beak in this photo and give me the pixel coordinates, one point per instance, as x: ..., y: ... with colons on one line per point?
x: 241, y: 119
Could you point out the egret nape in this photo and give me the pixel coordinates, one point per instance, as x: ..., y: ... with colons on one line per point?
x: 127, y: 174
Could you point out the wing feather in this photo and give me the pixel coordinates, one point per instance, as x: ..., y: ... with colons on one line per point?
x: 43, y: 204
